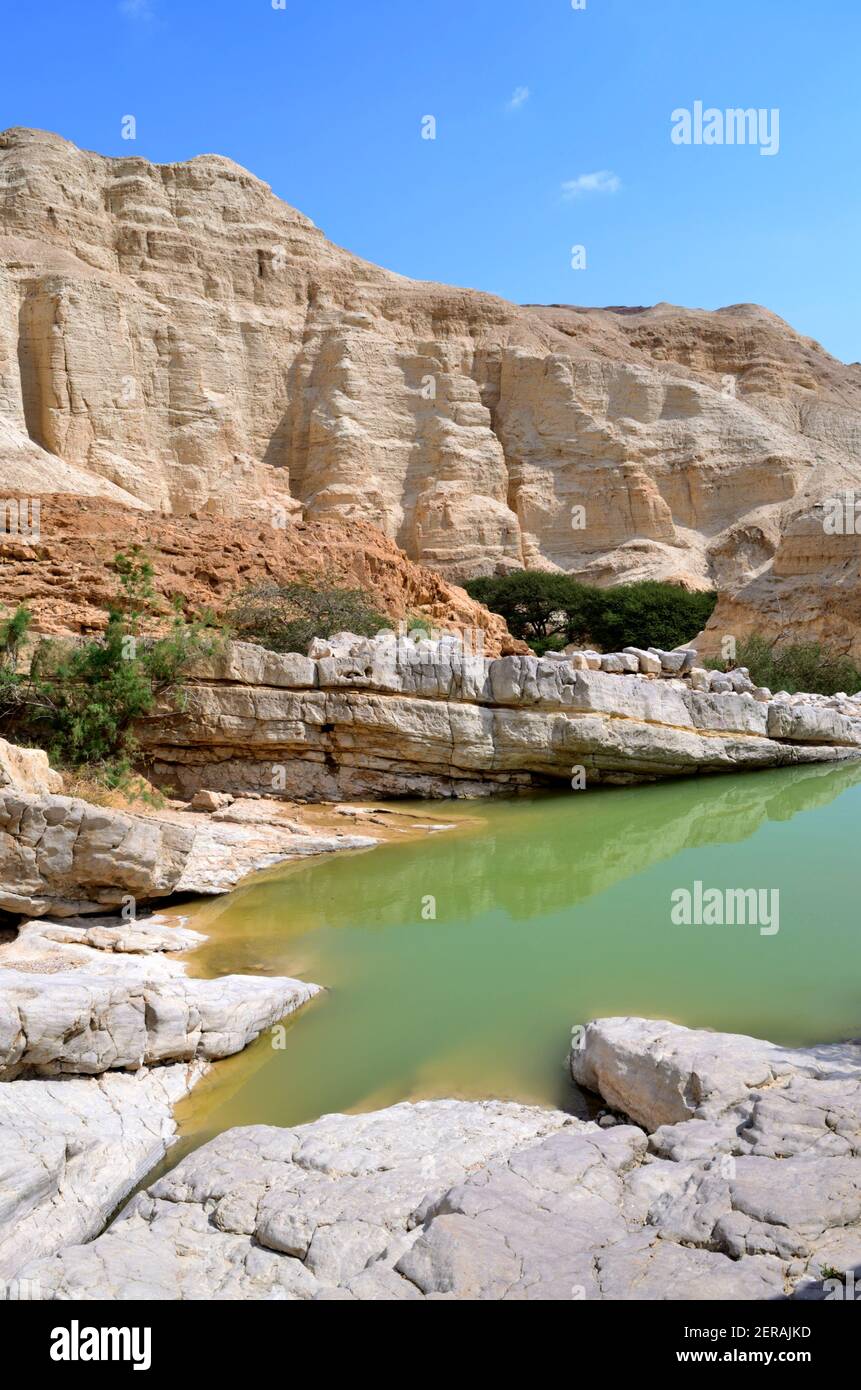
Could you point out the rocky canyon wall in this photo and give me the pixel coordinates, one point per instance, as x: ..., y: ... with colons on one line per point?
x: 179, y: 339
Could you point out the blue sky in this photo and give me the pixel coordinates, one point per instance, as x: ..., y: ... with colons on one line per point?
x: 553, y: 130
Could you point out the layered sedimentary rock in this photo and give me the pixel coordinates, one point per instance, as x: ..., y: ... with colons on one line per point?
x: 62, y: 855
x: 744, y: 1182
x: 391, y: 716
x: 177, y: 337
x: 70, y: 1005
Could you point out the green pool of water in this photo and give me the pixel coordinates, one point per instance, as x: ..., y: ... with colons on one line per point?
x: 548, y: 912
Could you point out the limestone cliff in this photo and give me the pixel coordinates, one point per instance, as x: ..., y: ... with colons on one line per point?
x: 176, y: 337
x: 390, y: 717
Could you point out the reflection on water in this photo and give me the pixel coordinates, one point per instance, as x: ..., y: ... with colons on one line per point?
x: 549, y: 911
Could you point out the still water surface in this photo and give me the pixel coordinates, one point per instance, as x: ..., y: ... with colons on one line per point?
x: 549, y: 911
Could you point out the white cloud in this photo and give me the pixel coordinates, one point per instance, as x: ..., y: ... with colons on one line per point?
x: 519, y: 98
x: 601, y: 182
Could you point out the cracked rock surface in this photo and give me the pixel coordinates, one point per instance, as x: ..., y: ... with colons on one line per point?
x: 106, y: 1002
x: 86, y: 1008
x: 62, y: 856
x: 742, y: 1180
x: 72, y: 1148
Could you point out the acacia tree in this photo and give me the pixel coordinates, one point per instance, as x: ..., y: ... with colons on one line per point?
x: 534, y: 604
x: 545, y: 609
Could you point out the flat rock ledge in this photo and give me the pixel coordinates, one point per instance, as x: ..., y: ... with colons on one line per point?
x: 62, y: 856
x: 101, y: 1034
x: 390, y: 716
x: 70, y: 1151
x: 85, y: 1019
x: 741, y: 1180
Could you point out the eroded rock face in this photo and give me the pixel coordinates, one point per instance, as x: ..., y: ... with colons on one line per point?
x: 175, y: 336
x: 77, y: 1000
x: 745, y: 1182
x: 64, y: 856
x: 60, y: 854
x: 27, y: 770
x: 392, y: 717
x: 101, y: 1034
x: 68, y: 580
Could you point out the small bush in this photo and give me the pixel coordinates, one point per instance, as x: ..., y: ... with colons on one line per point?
x: 13, y: 632
x: 136, y: 575
x: 287, y: 617
x: 542, y: 645
x: 85, y: 711
x: 550, y: 610
x: 803, y: 666
x: 80, y: 700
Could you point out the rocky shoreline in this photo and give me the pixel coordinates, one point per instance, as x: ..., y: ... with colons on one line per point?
x: 722, y: 1168
x: 429, y: 718
x: 102, y: 1033
x: 737, y: 1177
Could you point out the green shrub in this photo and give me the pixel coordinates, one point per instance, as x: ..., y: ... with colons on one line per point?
x: 647, y: 614
x: 94, y: 693
x: 136, y: 576
x: 80, y: 700
x: 287, y: 617
x: 13, y: 632
x: 802, y: 666
x: 535, y: 605
x: 550, y: 610
x: 541, y: 645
